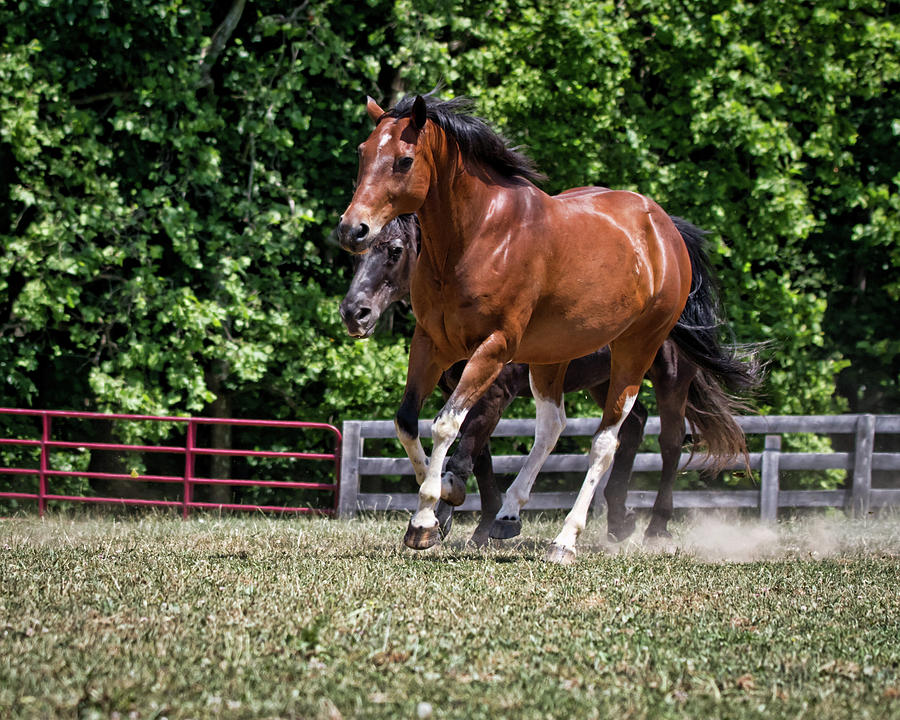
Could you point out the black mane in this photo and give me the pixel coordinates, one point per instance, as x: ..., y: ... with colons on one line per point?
x: 476, y: 140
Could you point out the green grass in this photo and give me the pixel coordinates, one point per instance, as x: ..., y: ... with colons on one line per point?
x: 257, y: 617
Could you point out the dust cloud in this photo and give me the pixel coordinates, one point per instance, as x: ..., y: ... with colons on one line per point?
x: 713, y: 537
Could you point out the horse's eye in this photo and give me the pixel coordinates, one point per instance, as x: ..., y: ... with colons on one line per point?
x: 403, y: 164
x: 394, y: 254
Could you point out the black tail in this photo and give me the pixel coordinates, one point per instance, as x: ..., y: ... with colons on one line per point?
x: 724, y: 372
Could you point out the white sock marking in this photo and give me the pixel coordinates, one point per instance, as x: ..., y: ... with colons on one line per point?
x: 603, y: 450
x: 443, y: 432
x: 551, y: 420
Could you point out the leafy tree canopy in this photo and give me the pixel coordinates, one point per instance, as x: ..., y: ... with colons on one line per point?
x: 170, y: 174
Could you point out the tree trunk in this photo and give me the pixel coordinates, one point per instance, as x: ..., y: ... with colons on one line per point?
x: 220, y: 438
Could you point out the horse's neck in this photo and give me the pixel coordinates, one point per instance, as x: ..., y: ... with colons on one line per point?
x: 455, y: 212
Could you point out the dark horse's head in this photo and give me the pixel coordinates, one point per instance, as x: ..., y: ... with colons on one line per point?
x: 382, y: 275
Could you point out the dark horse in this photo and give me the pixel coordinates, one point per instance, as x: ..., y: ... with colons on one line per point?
x: 382, y: 277
x: 509, y: 274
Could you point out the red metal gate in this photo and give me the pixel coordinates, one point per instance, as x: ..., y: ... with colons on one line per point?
x: 189, y: 450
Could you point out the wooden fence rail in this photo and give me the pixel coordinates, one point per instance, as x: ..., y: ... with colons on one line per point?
x: 858, y: 497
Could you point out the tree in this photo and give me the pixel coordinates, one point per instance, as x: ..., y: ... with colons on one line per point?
x: 762, y: 122
x: 171, y: 173
x: 167, y: 213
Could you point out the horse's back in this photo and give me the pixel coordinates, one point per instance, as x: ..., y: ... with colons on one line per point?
x: 619, y: 226
x: 613, y: 263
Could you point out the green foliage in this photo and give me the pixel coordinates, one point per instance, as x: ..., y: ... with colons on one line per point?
x: 167, y: 201
x: 756, y: 121
x: 159, y: 232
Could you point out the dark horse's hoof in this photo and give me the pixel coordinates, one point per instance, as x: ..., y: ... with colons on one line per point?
x: 655, y: 536
x: 622, y: 530
x: 444, y: 513
x: 457, y: 494
x: 506, y: 528
x: 421, y: 538
x: 559, y: 555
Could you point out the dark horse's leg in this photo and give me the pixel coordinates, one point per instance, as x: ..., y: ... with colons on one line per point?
x: 620, y: 522
x: 671, y: 375
x: 491, y: 499
x: 473, y: 451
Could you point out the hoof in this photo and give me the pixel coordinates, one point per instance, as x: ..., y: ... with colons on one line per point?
x: 444, y: 513
x: 619, y: 531
x: 656, y: 536
x: 421, y: 538
x: 482, y: 534
x: 457, y: 493
x: 559, y: 555
x: 505, y: 528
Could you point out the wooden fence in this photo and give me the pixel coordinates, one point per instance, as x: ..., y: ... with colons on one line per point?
x: 858, y: 497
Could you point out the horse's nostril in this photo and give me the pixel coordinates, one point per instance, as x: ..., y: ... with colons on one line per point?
x: 363, y: 313
x: 352, y: 236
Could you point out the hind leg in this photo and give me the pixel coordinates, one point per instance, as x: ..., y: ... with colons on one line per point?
x: 603, y: 448
x: 546, y: 385
x: 620, y: 521
x: 631, y: 358
x: 671, y: 378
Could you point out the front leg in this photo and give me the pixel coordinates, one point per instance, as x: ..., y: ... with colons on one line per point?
x: 481, y: 370
x: 491, y: 499
x: 422, y: 375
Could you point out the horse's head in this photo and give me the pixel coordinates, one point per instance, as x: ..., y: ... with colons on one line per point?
x: 394, y: 175
x: 382, y: 276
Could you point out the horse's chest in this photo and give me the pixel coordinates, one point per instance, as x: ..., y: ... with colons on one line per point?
x: 455, y: 320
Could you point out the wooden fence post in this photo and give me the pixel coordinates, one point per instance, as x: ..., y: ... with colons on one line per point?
x: 351, y: 451
x: 862, y: 466
x: 769, y: 484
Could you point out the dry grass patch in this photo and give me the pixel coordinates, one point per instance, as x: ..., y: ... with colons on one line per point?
x: 286, y: 618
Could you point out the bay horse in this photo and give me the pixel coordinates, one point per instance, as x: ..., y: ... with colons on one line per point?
x: 506, y: 274
x: 704, y: 395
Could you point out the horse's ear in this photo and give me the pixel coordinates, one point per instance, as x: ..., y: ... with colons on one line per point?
x: 419, y: 113
x: 375, y: 112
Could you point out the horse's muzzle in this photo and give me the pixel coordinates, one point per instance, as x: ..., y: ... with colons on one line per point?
x: 353, y: 237
x: 358, y: 318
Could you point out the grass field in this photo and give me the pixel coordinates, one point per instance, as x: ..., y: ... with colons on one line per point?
x: 284, y: 618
